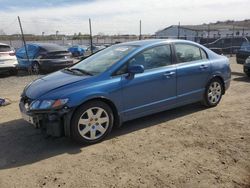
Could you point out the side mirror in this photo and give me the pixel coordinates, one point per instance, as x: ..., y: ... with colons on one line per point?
x: 135, y: 69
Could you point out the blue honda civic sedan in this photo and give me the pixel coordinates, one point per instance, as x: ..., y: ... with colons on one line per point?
x: 121, y: 83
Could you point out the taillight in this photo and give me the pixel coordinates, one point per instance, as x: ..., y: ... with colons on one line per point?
x: 12, y: 53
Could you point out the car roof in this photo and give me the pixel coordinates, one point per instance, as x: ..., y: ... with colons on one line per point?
x: 150, y: 42
x: 50, y: 47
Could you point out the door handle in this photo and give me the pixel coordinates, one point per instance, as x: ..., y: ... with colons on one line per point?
x: 203, y: 67
x: 169, y: 74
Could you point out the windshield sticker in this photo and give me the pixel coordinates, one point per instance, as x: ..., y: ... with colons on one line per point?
x: 122, y: 49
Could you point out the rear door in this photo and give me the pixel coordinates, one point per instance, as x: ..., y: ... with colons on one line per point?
x: 193, y: 70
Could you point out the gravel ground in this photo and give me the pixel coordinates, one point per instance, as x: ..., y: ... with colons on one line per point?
x: 191, y: 146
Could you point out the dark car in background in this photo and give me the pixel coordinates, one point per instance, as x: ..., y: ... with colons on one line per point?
x: 246, y: 67
x: 43, y: 57
x: 243, y: 53
x: 226, y: 45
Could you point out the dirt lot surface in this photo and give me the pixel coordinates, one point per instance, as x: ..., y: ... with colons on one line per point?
x: 191, y: 146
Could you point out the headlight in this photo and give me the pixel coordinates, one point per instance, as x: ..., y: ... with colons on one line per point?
x: 47, y: 104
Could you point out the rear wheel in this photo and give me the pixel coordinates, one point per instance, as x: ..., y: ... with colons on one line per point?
x: 92, y: 122
x: 213, y: 92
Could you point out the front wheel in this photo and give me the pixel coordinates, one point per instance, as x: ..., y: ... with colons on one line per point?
x: 92, y: 122
x: 213, y: 93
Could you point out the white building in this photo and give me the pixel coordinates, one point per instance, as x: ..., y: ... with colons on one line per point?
x: 194, y: 33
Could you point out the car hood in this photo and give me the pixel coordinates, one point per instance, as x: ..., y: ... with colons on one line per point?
x: 51, y: 82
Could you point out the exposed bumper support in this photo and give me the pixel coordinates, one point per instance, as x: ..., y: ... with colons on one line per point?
x: 52, y: 122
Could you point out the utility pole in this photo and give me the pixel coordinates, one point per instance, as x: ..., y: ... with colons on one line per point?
x: 178, y: 35
x: 243, y: 30
x: 24, y: 42
x: 57, y: 32
x: 90, y: 35
x: 140, y: 31
x: 232, y: 39
x: 208, y: 32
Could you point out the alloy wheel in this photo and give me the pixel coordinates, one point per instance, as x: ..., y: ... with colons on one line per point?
x: 214, y: 92
x: 93, y: 123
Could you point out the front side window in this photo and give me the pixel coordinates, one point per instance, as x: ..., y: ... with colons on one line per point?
x: 187, y: 53
x: 104, y: 59
x: 153, y: 58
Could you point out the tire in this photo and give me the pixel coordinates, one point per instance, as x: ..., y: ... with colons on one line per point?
x: 213, y: 93
x: 35, y: 68
x: 14, y: 72
x: 92, y: 122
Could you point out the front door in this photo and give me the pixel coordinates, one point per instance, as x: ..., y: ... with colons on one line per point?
x: 151, y: 91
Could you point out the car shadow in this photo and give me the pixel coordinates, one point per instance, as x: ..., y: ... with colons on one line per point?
x: 237, y: 73
x: 5, y: 75
x: 240, y: 77
x: 21, y: 144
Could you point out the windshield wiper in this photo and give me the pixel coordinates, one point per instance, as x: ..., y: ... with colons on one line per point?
x: 81, y: 70
x: 68, y: 69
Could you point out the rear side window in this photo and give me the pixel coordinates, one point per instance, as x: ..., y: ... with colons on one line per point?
x: 187, y: 53
x: 5, y: 48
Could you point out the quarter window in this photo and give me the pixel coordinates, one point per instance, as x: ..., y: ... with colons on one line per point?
x: 203, y: 54
x: 187, y: 53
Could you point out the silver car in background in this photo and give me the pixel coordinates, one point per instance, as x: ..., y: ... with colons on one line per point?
x: 8, y: 60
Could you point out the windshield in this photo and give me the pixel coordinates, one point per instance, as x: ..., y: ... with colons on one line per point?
x: 104, y: 59
x: 245, y: 46
x: 4, y: 48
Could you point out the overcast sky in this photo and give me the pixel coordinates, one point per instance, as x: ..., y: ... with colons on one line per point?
x: 114, y: 16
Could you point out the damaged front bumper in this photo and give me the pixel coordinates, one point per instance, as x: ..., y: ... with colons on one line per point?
x: 52, y: 122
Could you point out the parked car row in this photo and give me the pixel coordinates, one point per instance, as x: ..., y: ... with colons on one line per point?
x: 41, y: 57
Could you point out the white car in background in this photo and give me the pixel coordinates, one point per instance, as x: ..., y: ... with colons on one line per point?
x: 8, y: 60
